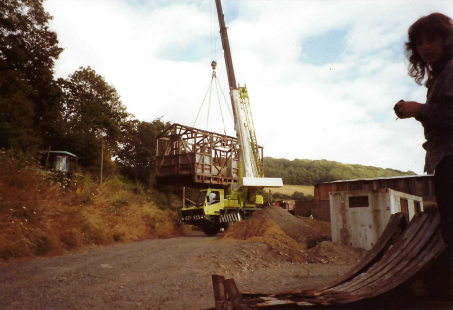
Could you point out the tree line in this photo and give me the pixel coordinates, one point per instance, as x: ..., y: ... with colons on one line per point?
x: 80, y: 114
x: 310, y: 172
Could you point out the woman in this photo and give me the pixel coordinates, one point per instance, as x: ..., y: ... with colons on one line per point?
x: 430, y: 54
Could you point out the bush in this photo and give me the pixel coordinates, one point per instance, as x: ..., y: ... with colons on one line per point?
x: 40, y: 215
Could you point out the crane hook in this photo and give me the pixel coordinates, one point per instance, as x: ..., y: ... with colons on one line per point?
x: 213, y: 65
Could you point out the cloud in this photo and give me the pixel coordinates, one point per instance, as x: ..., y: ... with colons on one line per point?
x: 157, y: 54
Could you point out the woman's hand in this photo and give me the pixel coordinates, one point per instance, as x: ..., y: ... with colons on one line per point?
x: 407, y: 109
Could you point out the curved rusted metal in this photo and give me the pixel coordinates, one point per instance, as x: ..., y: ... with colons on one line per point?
x: 400, y: 253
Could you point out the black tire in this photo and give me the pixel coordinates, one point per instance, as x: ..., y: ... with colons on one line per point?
x: 211, y: 230
x: 225, y: 226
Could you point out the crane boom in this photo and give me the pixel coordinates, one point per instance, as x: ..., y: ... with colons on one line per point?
x: 248, y: 147
x: 226, y: 46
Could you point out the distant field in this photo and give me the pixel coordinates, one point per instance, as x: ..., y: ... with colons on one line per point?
x: 291, y: 189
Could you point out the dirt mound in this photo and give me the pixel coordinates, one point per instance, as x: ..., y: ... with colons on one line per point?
x: 295, y: 239
x: 328, y: 252
x: 295, y: 228
x: 320, y: 227
x: 266, y: 232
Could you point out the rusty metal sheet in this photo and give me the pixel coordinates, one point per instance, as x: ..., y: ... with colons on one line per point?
x: 219, y: 292
x: 271, y: 301
x: 395, y: 227
x: 399, y: 254
x: 433, y: 250
x: 234, y: 294
x: 404, y: 252
x: 391, y: 259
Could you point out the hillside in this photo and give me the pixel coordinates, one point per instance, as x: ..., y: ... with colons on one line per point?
x: 41, y: 214
x: 288, y: 189
x: 310, y: 172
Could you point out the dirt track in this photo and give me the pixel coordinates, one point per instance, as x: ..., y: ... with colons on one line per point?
x: 154, y: 274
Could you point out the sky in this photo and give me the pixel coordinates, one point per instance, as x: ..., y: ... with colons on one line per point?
x: 322, y: 76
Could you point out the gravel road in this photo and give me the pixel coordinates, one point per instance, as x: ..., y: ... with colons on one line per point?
x: 154, y: 274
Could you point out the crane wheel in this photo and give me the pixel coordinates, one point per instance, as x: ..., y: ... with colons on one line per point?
x: 211, y: 230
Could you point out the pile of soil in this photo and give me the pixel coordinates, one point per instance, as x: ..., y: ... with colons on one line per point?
x: 294, y: 238
x: 267, y: 232
x: 328, y: 252
x: 297, y: 229
x: 320, y: 227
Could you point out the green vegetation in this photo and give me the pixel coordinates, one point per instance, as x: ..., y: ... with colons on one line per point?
x: 30, y: 102
x: 39, y: 216
x: 310, y: 172
x: 281, y: 196
x: 292, y: 192
x: 42, y: 212
x: 82, y: 114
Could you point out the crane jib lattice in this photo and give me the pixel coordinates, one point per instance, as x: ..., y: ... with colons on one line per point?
x: 251, y: 130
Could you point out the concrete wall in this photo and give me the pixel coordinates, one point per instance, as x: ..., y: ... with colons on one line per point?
x: 420, y: 185
x: 358, y: 218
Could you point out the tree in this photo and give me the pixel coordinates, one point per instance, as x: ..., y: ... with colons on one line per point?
x: 29, y: 96
x: 138, y: 152
x: 310, y: 172
x: 93, y: 114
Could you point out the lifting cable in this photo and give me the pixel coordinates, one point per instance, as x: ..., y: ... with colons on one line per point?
x: 226, y: 102
x: 209, y: 90
x: 220, y: 106
x: 202, y: 103
x: 210, y: 21
x: 209, y: 102
x: 216, y: 81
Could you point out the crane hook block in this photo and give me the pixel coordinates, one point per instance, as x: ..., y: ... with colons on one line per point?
x: 213, y: 65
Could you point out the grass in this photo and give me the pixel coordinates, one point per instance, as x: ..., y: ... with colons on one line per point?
x: 291, y: 189
x: 40, y: 216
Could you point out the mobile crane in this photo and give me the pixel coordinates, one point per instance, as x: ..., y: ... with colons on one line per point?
x: 215, y: 208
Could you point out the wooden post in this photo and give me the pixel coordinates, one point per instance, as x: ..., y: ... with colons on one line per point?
x: 102, y: 158
x: 184, y: 197
x: 47, y: 159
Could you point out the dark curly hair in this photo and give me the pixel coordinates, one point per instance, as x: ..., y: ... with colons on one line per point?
x: 433, y: 25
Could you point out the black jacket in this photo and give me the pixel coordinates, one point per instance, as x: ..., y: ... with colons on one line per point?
x: 436, y: 116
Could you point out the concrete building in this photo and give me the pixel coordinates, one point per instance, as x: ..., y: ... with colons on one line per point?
x: 359, y: 217
x: 418, y: 185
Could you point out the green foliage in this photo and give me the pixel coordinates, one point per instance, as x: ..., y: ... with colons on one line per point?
x: 301, y: 196
x: 310, y: 172
x: 138, y: 153
x: 85, y: 191
x: 280, y: 196
x: 93, y: 114
x: 166, y: 197
x: 29, y: 97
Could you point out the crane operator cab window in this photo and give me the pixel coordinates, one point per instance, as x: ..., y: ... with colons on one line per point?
x: 201, y: 199
x: 213, y: 197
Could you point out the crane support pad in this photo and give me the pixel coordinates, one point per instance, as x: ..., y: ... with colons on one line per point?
x: 399, y: 254
x: 262, y: 182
